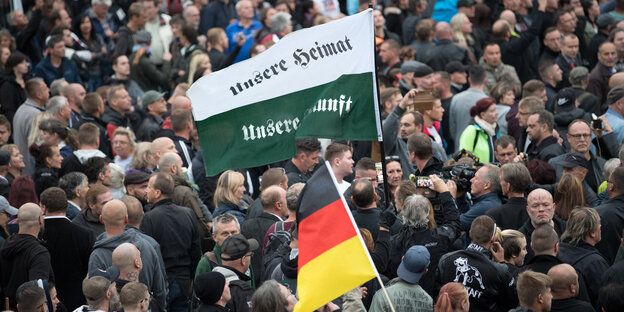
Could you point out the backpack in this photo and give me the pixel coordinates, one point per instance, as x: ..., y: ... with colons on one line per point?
x: 277, y: 247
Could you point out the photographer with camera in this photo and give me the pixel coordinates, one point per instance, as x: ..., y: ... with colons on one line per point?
x: 484, y: 188
x: 414, y: 231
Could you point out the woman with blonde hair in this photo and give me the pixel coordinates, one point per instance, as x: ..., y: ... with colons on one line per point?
x: 201, y: 60
x: 514, y: 244
x: 228, y: 197
x: 462, y: 34
x: 143, y: 158
x: 35, y: 134
x: 453, y: 297
x: 569, y: 195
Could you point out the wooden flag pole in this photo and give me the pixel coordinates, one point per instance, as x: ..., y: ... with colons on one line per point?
x: 385, y: 292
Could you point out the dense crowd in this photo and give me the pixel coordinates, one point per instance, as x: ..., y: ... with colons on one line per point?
x: 503, y: 188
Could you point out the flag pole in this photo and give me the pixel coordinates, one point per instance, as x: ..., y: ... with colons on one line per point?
x: 385, y: 292
x: 380, y: 140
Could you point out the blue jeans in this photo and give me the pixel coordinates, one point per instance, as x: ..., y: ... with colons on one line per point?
x: 177, y: 300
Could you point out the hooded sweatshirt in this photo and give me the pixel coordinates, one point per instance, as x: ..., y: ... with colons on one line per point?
x: 153, y: 273
x: 22, y: 258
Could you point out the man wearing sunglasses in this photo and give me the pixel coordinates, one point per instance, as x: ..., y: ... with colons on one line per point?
x: 236, y: 254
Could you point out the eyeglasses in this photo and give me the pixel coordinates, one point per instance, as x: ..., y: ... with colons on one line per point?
x: 392, y: 157
x: 580, y: 135
x: 149, y: 299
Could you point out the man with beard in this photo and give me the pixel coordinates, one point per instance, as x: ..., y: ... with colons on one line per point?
x: 136, y: 185
x: 99, y: 289
x: 579, y: 138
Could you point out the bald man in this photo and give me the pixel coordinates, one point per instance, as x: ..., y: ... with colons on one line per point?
x: 162, y: 145
x: 23, y: 258
x: 616, y: 80
x: 273, y: 200
x: 75, y: 94
x: 127, y: 258
x: 445, y: 50
x: 183, y: 195
x: 565, y: 290
x: 541, y: 210
x: 135, y: 211
x: 180, y: 102
x: 115, y: 218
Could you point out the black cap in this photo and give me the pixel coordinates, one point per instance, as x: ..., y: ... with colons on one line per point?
x: 465, y: 3
x: 455, y: 67
x: 5, y: 158
x: 237, y: 246
x: 565, y: 100
x: 574, y: 160
x: 422, y: 71
x: 209, y: 287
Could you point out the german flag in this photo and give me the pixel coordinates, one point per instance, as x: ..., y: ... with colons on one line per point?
x: 332, y: 256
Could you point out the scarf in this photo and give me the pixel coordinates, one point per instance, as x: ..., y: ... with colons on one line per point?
x: 489, y: 128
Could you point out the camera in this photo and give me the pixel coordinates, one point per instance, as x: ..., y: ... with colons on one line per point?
x: 460, y: 174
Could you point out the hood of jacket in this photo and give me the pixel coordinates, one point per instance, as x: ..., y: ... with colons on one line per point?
x: 563, y: 119
x: 113, y: 117
x: 18, y: 244
x: 83, y: 155
x: 129, y: 235
x: 227, y: 273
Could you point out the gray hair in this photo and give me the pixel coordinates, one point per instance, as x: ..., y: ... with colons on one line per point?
x: 223, y: 219
x: 492, y: 175
x: 71, y: 181
x: 107, y: 2
x: 279, y: 21
x: 55, y: 104
x: 58, y: 86
x: 615, y: 95
x: 292, y: 196
x: 416, y: 211
x: 238, y: 4
x: 186, y: 9
x: 269, y: 297
x: 609, y: 166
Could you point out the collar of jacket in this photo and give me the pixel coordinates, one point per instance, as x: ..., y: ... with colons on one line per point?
x: 486, y: 196
x: 165, y: 201
x: 479, y: 249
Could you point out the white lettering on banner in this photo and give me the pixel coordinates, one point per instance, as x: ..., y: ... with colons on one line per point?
x: 341, y: 106
x: 332, y: 105
x: 253, y: 132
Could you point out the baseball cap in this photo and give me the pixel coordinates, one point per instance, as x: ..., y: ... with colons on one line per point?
x: 465, y: 3
x: 5, y: 158
x: 237, y: 246
x: 6, y: 207
x: 150, y: 97
x: 455, y: 67
x: 414, y: 264
x: 573, y: 160
x: 143, y: 36
x: 209, y: 287
x: 565, y: 100
x: 579, y: 74
x: 604, y: 20
x: 136, y: 177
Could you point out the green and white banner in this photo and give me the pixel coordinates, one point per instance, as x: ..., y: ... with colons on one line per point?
x: 316, y: 82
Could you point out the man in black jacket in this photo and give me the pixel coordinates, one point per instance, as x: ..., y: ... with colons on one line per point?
x: 543, y: 145
x: 515, y: 50
x: 565, y: 290
x: 515, y: 181
x: 541, y: 211
x: 93, y: 108
x: 69, y: 245
x: 235, y: 253
x: 577, y: 248
x: 612, y: 216
x: 154, y: 104
x: 445, y: 50
x: 22, y: 257
x: 414, y: 231
x: 175, y: 229
x: 490, y: 285
x: 213, y: 291
x: 273, y: 201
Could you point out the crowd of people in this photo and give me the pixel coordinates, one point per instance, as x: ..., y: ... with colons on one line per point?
x: 503, y: 188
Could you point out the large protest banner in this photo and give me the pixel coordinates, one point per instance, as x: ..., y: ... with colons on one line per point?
x: 316, y: 82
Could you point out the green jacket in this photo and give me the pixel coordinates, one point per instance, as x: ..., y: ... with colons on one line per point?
x: 476, y: 140
x: 205, y: 264
x: 404, y: 296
